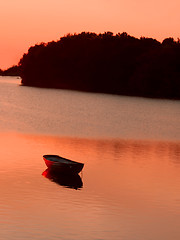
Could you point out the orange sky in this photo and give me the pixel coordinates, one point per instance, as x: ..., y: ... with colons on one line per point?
x: 24, y: 23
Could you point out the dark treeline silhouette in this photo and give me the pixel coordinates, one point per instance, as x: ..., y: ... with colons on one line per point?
x: 117, y: 64
x: 12, y: 71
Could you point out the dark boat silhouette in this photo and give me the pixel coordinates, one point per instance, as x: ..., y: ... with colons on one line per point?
x: 73, y: 181
x: 62, y: 165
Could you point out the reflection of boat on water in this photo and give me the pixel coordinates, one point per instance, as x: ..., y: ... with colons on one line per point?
x: 67, y: 180
x: 62, y: 165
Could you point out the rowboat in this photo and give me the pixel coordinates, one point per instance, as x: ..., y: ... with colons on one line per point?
x: 63, y: 165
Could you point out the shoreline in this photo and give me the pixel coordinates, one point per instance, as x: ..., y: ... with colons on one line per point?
x: 101, y: 92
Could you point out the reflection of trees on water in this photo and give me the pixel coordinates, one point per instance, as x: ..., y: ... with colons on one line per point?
x: 174, y: 152
x: 133, y: 150
x: 136, y: 150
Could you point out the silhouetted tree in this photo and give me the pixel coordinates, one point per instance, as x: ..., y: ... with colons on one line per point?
x: 12, y: 71
x: 119, y: 64
x: 168, y: 42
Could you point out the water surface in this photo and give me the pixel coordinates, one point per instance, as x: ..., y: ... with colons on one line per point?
x: 78, y: 114
x: 131, y: 151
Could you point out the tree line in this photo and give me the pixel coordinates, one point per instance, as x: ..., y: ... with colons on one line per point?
x: 12, y: 71
x: 116, y: 64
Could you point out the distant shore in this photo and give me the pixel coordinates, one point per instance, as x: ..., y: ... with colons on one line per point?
x: 12, y: 71
x: 116, y: 64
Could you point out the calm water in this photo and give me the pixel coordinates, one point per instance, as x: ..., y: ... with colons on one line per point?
x: 131, y: 178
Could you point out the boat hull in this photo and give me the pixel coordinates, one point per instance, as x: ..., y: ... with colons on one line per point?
x: 59, y: 164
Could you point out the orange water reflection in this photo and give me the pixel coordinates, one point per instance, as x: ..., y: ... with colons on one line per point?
x: 129, y: 187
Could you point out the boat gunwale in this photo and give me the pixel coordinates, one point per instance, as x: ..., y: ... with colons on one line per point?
x: 57, y: 158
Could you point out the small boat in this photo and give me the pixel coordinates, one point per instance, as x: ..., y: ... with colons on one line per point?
x: 63, y: 165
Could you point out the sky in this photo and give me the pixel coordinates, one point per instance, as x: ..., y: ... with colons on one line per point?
x: 24, y: 23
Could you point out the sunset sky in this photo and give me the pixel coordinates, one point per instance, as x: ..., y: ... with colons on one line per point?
x: 24, y: 23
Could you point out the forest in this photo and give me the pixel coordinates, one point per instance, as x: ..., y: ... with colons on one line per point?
x: 107, y: 63
x: 12, y: 71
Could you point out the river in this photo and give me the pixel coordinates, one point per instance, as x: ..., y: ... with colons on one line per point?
x: 130, y: 182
